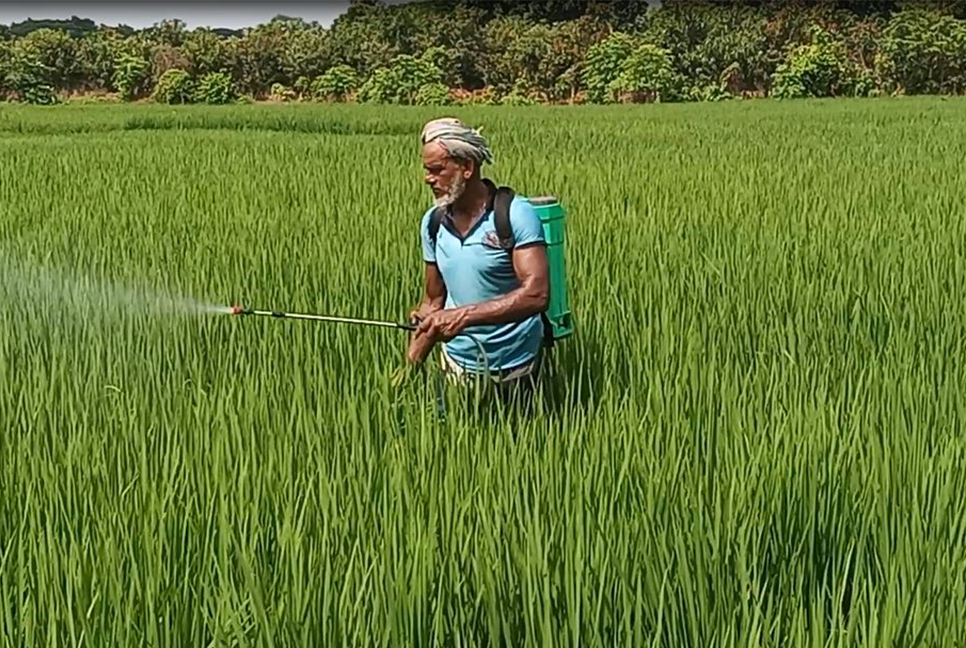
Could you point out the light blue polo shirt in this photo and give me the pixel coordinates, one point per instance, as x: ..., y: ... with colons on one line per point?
x: 476, y: 269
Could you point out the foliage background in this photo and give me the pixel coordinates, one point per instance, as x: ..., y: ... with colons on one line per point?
x: 484, y: 52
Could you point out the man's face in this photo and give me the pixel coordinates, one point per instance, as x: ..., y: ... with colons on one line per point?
x: 445, y: 176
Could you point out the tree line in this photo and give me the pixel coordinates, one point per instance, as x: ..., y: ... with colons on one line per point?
x: 507, y: 52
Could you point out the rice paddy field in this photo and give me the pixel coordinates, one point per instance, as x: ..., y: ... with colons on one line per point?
x: 754, y: 438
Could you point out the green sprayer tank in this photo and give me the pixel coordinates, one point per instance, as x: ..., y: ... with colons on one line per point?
x: 554, y: 218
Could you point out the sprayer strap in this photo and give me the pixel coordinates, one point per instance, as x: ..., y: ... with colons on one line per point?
x: 501, y: 210
x: 500, y: 200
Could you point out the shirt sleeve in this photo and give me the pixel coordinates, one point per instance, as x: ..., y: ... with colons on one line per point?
x: 429, y: 250
x: 525, y: 223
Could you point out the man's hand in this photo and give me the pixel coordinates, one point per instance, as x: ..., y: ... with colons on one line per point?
x: 440, y: 325
x: 434, y: 301
x: 443, y: 324
x: 424, y: 310
x: 419, y: 348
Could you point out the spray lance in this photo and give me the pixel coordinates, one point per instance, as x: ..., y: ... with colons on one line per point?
x: 240, y: 310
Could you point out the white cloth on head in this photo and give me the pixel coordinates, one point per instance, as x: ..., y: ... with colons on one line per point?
x: 459, y: 140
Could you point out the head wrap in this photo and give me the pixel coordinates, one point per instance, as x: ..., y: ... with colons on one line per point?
x: 459, y: 140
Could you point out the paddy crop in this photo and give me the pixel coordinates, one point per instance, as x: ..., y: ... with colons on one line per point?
x: 755, y: 437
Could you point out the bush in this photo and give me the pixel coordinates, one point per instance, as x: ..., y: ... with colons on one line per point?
x: 400, y: 82
x: 94, y: 98
x: 378, y: 88
x: 175, y: 87
x: 335, y: 84
x: 644, y: 76
x: 923, y: 52
x: 517, y: 99
x: 433, y: 94
x: 302, y: 86
x: 51, y: 58
x: 710, y: 92
x: 280, y: 93
x: 447, y: 61
x: 215, y: 88
x: 131, y: 75
x: 485, y: 96
x: 31, y: 80
x: 820, y: 69
x: 603, y: 65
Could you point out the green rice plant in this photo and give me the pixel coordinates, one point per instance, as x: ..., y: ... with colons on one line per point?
x: 753, y: 439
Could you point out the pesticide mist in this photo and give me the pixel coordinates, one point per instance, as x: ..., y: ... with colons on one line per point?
x: 40, y: 287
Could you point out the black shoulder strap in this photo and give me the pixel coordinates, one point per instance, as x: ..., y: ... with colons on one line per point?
x: 502, y: 198
x: 435, y: 219
x: 501, y: 208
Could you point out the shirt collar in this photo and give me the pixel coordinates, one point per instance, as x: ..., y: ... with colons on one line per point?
x: 489, y: 203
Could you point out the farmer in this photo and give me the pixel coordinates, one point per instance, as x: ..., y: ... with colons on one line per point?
x: 473, y: 285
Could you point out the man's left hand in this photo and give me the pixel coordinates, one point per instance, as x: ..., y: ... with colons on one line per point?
x: 443, y: 324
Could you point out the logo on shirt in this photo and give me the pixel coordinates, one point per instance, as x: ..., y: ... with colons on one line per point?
x: 492, y: 241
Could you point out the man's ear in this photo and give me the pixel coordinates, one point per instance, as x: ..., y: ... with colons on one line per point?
x: 468, y: 169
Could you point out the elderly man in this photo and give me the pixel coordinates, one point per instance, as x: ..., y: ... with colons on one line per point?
x: 474, y: 285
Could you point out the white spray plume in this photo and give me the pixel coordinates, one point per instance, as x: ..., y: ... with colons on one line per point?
x: 48, y: 287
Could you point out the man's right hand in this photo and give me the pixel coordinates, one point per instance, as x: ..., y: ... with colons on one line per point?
x: 422, y: 311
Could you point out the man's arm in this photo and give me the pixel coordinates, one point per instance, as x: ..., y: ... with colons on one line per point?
x: 530, y: 298
x: 435, y: 297
x: 530, y: 265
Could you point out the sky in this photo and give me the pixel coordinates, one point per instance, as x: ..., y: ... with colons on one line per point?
x: 144, y: 13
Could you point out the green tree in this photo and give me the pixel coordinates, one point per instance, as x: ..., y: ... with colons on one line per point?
x: 167, y: 32
x: 645, y: 75
x: 923, y: 51
x: 30, y: 79
x: 364, y: 37
x: 604, y: 65
x: 704, y: 40
x: 433, y: 94
x: 132, y: 75
x: 206, y: 52
x: 570, y: 44
x: 51, y: 55
x: 6, y: 59
x: 819, y: 69
x: 369, y: 35
x: 307, y: 52
x: 455, y: 32
x: 215, y: 88
x: 400, y: 82
x: 97, y: 53
x: 538, y: 59
x: 550, y: 50
x: 166, y: 57
x: 510, y: 45
x: 336, y: 84
x: 261, y: 58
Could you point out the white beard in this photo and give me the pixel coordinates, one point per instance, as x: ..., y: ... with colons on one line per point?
x: 455, y: 191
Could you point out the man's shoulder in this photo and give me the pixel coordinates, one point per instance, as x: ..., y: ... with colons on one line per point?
x: 427, y: 215
x: 521, y: 209
x: 525, y: 222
